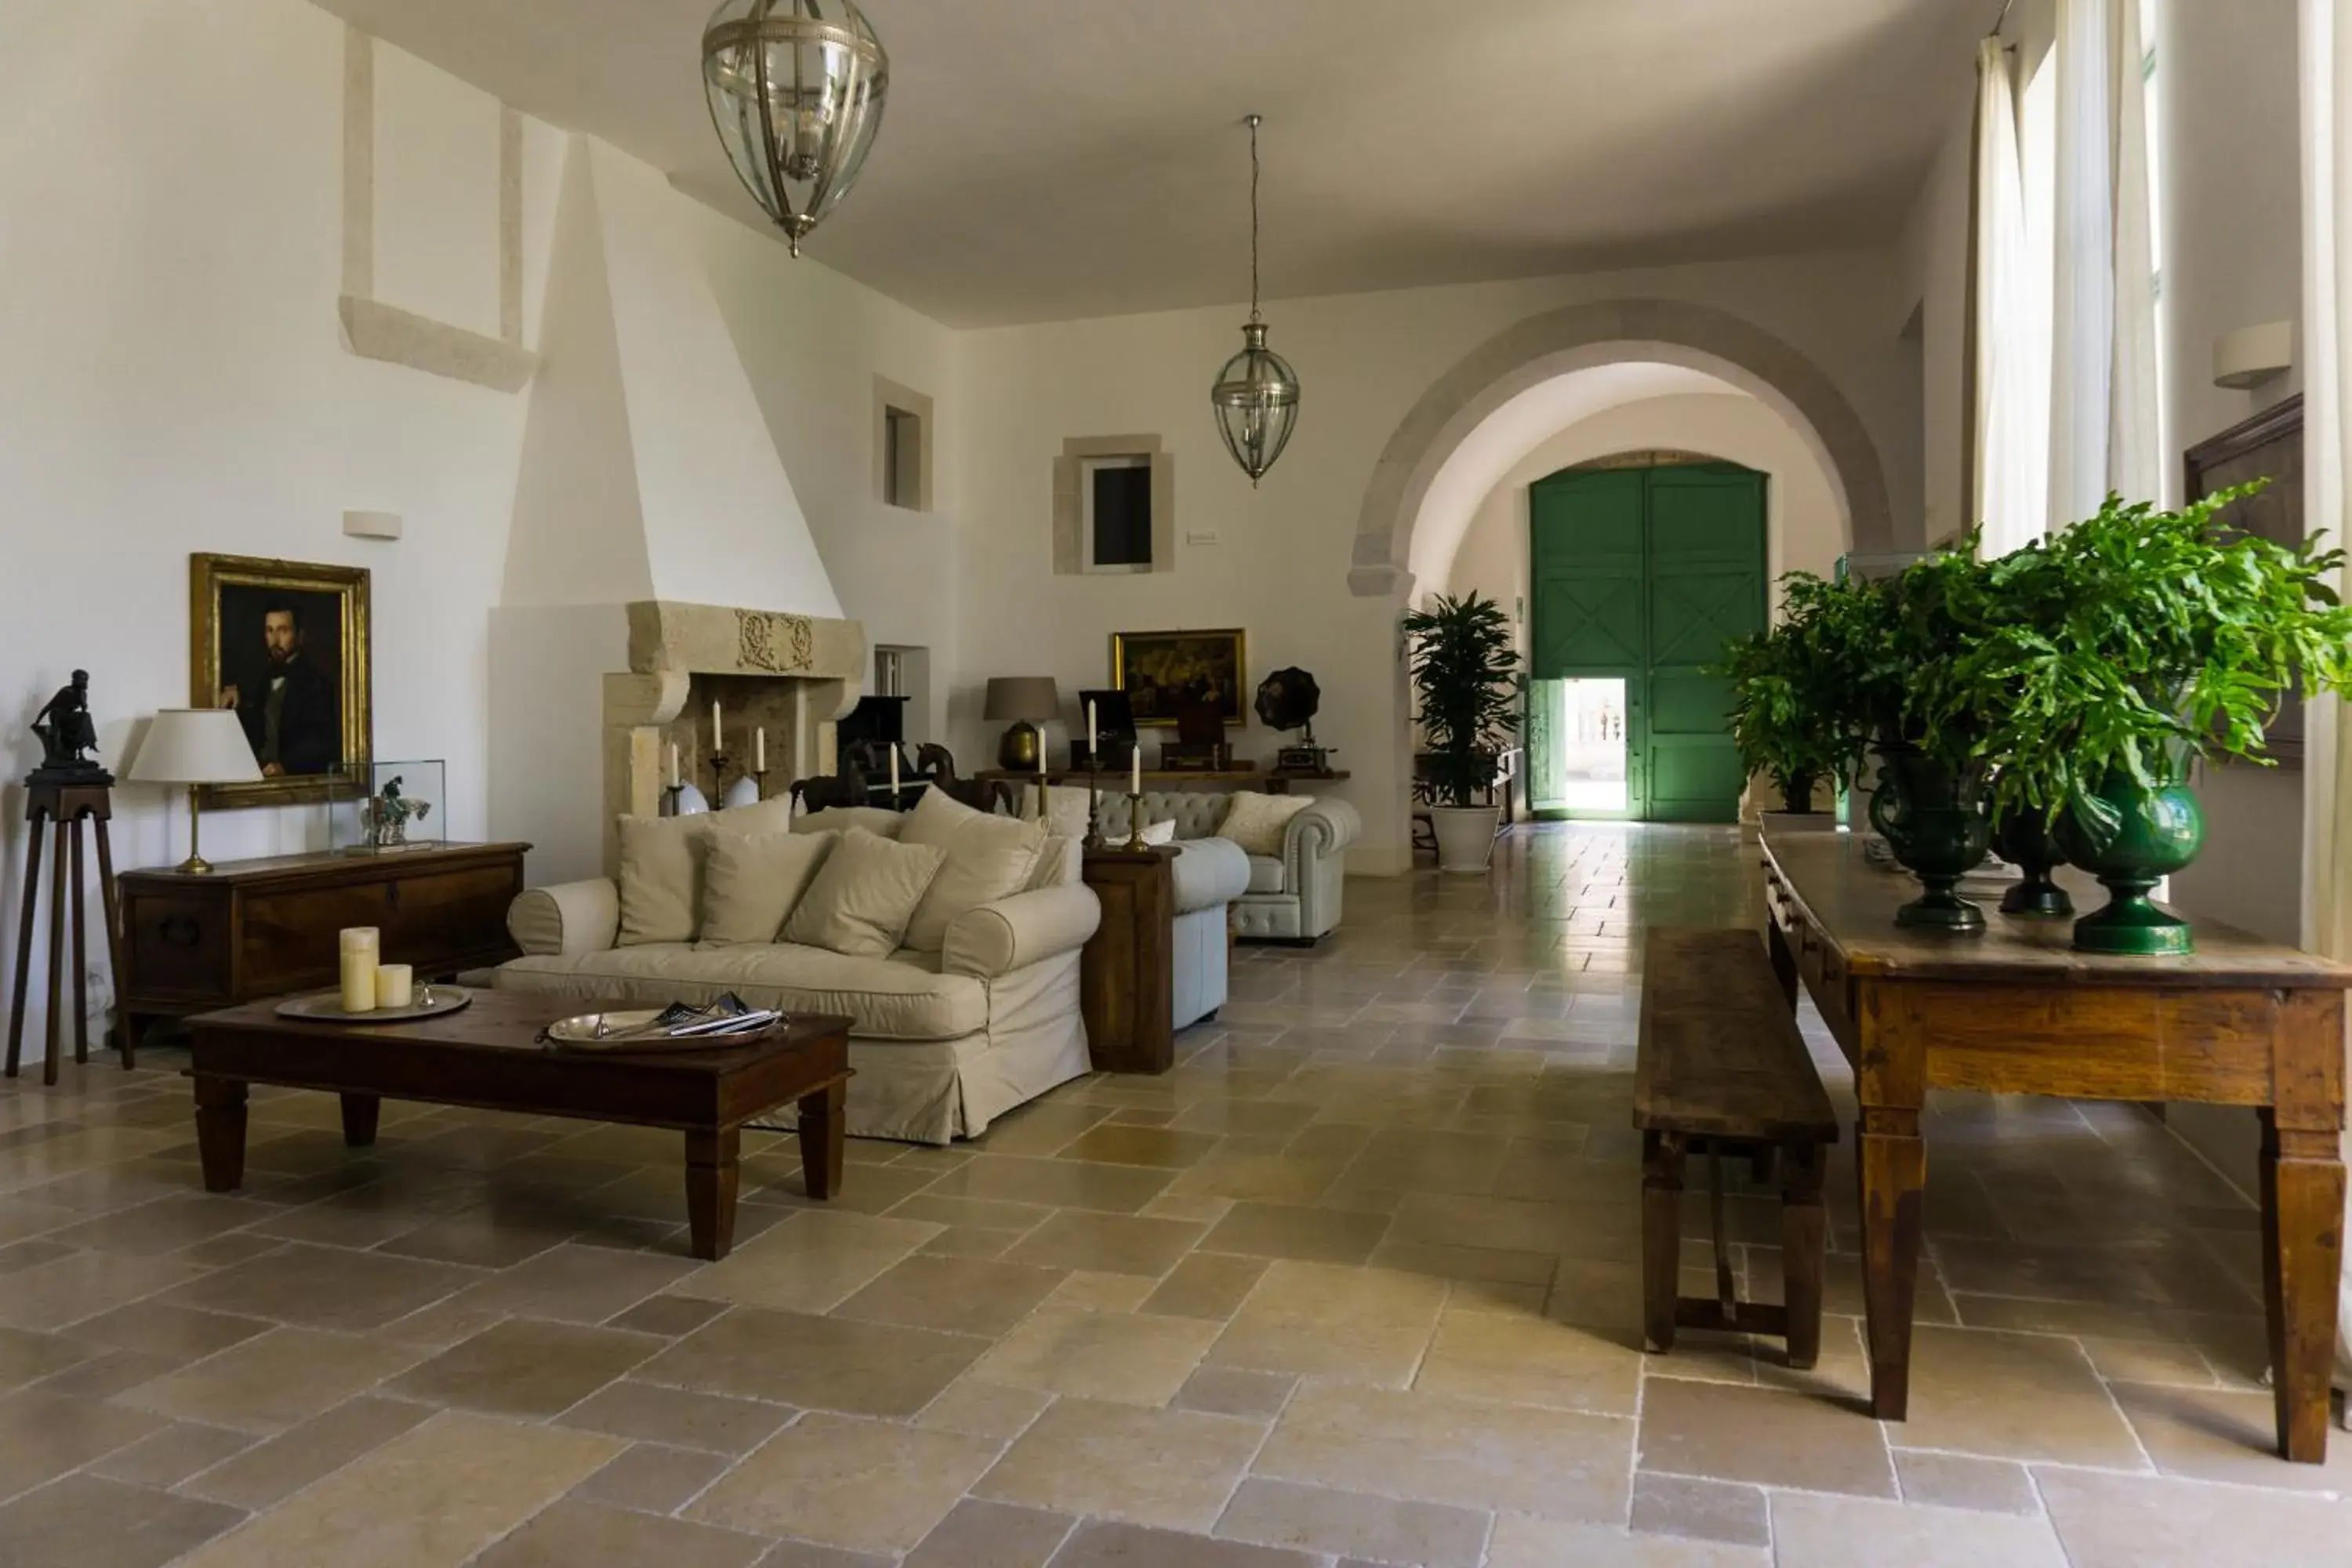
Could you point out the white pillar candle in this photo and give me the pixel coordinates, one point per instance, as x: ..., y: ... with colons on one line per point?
x: 395, y: 985
x: 893, y: 769
x: 672, y: 764
x: 358, y: 966
x: 1041, y: 753
x: 1135, y: 770
x: 1092, y: 740
x: 760, y: 749
x: 717, y: 743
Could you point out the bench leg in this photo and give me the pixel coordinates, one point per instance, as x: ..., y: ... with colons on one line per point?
x: 1661, y: 1236
x: 1804, y: 1238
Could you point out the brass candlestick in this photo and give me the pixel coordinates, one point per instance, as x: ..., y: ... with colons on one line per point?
x: 1094, y: 806
x: 717, y: 761
x: 1135, y: 843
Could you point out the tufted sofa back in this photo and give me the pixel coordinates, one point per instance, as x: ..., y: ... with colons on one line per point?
x: 1196, y: 813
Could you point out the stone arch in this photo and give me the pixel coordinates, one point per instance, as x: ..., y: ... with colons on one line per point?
x: 1580, y: 337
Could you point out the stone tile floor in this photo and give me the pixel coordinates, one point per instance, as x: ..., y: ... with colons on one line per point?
x: 1354, y: 1284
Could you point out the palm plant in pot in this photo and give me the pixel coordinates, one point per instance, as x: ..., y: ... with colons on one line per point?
x: 1465, y: 680
x: 2117, y: 652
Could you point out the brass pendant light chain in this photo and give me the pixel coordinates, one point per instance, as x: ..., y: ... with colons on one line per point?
x: 1254, y: 176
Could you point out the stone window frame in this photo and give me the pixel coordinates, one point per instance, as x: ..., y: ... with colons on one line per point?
x: 1070, y: 508
x: 889, y: 395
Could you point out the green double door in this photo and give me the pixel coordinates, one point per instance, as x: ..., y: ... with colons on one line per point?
x: 1641, y: 575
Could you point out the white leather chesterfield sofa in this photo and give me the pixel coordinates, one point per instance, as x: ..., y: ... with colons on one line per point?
x: 1292, y: 896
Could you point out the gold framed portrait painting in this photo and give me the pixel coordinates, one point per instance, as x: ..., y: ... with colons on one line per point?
x: 1164, y: 672
x: 283, y: 645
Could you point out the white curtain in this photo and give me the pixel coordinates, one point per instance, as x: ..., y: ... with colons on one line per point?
x: 2012, y: 327
x: 2103, y: 396
x: 2326, y: 437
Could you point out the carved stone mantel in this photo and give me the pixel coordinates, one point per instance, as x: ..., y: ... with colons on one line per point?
x: 794, y: 676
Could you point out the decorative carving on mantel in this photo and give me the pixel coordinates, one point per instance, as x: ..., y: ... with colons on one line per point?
x: 768, y: 640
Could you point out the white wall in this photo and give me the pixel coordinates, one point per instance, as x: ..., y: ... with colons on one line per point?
x: 172, y: 380
x: 2232, y: 253
x: 1278, y: 568
x: 1805, y: 530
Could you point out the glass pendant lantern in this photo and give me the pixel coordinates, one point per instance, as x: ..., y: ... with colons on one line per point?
x: 796, y: 89
x: 1255, y: 398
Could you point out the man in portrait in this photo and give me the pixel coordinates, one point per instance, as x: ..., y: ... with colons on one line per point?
x: 288, y: 705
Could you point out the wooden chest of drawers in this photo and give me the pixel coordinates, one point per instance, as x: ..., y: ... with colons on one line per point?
x: 255, y: 928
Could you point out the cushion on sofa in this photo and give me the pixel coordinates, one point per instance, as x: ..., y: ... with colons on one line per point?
x: 863, y: 894
x: 662, y: 866
x: 1065, y: 807
x: 885, y: 998
x: 1255, y: 821
x: 751, y: 881
x: 1265, y: 874
x: 988, y: 857
x: 1160, y: 831
x: 1061, y: 863
x: 875, y: 819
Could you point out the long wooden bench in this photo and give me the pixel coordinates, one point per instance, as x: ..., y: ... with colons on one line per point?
x: 1722, y: 1070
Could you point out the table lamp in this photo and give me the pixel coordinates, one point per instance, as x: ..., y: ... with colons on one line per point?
x: 1028, y: 701
x: 194, y: 746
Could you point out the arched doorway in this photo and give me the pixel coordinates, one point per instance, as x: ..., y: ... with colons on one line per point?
x: 1460, y: 413
x: 1588, y: 337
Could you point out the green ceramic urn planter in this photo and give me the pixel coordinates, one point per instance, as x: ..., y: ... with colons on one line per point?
x: 2152, y: 834
x: 1933, y: 817
x: 2025, y: 839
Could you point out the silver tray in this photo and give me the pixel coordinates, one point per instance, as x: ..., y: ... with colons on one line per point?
x: 327, y: 1006
x: 619, y: 1030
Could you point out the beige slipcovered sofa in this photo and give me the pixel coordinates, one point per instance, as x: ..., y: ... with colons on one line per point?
x: 942, y: 1043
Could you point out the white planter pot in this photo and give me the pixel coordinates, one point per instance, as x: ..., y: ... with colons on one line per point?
x: 1465, y: 835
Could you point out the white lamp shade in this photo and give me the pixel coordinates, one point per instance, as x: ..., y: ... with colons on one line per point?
x: 195, y: 745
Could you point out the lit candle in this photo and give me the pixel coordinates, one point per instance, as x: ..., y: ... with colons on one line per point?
x: 395, y: 985
x: 760, y: 749
x: 672, y: 764
x: 357, y: 971
x: 716, y: 744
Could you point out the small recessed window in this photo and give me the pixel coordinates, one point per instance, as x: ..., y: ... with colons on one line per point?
x: 1116, y: 496
x: 902, y: 458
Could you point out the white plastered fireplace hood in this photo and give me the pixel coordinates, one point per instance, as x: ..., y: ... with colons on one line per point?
x: 657, y: 558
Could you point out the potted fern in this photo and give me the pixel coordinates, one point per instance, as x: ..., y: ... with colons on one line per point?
x: 1793, y: 715
x: 2113, y: 654
x: 1465, y: 680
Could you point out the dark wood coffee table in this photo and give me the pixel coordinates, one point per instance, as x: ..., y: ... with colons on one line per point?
x: 488, y: 1054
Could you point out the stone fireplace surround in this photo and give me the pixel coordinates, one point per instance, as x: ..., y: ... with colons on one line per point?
x: 794, y: 676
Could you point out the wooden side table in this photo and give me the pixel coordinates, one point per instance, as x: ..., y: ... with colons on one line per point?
x: 193, y: 942
x: 1126, y: 975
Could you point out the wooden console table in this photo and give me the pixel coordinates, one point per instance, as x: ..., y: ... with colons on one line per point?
x: 192, y: 942
x: 1127, y: 986
x: 2015, y: 1010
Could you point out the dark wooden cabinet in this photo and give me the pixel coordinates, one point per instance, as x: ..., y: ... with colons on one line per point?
x: 1126, y: 978
x: 257, y: 927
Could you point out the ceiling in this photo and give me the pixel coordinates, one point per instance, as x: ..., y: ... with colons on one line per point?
x: 1047, y: 160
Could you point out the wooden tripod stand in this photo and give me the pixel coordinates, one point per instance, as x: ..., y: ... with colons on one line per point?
x: 67, y: 803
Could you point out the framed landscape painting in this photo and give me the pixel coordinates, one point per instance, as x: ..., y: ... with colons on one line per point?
x: 1164, y: 672
x: 284, y: 645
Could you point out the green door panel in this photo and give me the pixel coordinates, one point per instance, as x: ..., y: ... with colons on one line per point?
x: 1646, y: 573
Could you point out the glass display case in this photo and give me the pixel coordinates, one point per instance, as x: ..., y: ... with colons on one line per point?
x: 388, y: 808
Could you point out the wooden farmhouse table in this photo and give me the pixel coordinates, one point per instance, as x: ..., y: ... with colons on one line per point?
x: 2015, y: 1010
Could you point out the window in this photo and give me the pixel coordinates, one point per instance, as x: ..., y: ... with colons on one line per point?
x: 902, y: 458
x: 1115, y: 495
x: 902, y: 445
